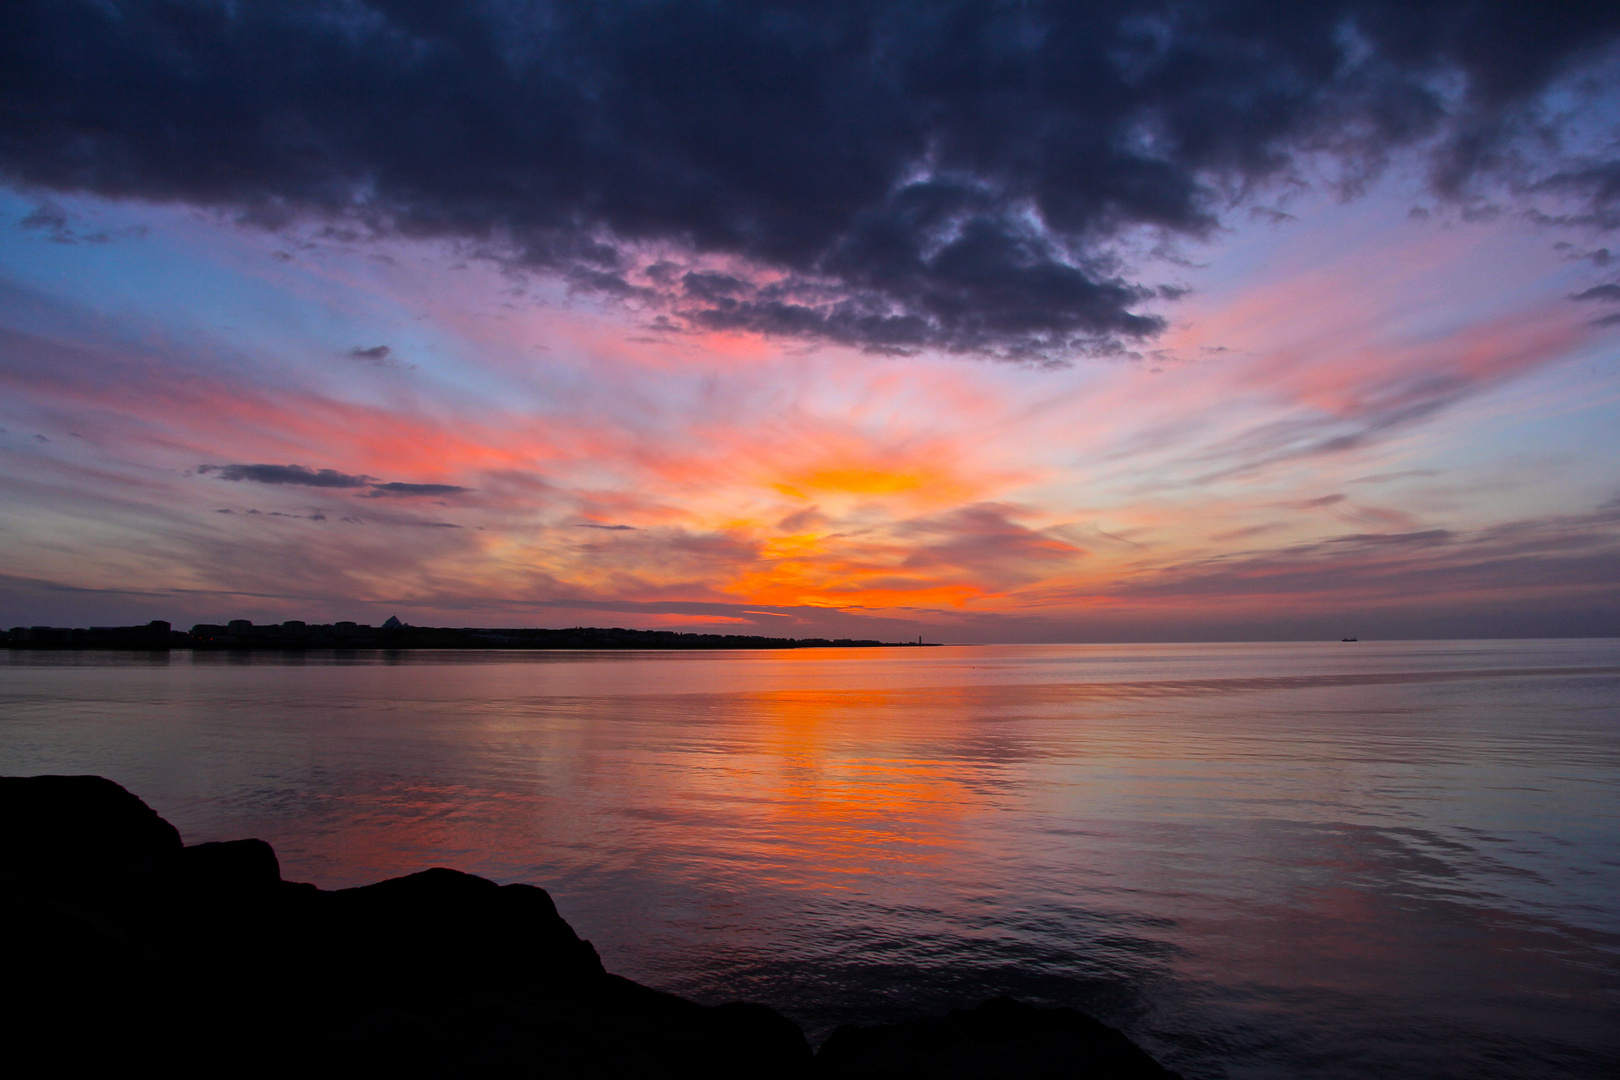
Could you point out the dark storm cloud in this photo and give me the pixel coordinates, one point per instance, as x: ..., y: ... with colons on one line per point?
x: 1599, y: 292
x: 896, y: 176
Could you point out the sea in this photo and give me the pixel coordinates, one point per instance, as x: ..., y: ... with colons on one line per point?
x: 1346, y: 859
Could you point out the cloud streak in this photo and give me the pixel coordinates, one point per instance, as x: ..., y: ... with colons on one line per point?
x: 296, y: 475
x: 302, y: 476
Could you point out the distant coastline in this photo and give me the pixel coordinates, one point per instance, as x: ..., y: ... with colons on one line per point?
x: 295, y: 635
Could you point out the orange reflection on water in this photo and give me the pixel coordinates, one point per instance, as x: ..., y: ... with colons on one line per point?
x: 842, y: 796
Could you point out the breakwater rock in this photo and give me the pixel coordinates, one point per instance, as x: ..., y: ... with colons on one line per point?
x: 126, y: 948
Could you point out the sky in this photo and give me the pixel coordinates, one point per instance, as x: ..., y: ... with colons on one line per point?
x: 983, y: 322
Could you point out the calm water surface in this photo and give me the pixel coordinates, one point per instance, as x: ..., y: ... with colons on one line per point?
x: 1343, y: 860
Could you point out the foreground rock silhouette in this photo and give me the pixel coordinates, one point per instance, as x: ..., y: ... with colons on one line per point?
x: 128, y: 951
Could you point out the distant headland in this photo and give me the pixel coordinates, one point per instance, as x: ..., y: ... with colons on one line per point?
x: 393, y: 634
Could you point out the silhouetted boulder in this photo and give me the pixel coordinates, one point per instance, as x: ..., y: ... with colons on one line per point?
x: 440, y: 933
x: 130, y: 952
x: 230, y: 865
x: 1002, y: 1039
x: 66, y: 831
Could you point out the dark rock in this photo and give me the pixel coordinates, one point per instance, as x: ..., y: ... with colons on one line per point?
x: 388, y: 1042
x: 66, y: 831
x: 415, y: 941
x: 231, y: 865
x: 77, y: 997
x: 128, y: 952
x: 729, y: 1040
x: 1000, y: 1039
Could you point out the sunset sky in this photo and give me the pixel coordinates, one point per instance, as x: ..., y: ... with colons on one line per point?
x: 987, y: 322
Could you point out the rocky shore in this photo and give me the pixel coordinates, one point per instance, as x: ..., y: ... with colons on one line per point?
x: 128, y: 951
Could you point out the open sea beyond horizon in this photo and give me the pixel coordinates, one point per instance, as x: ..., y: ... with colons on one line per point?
x: 1372, y: 859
